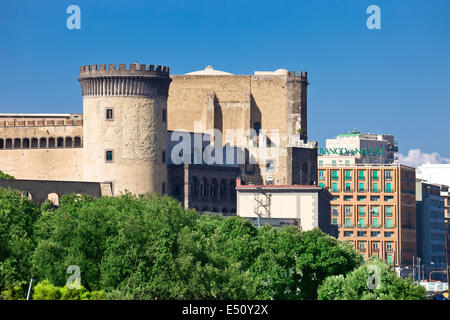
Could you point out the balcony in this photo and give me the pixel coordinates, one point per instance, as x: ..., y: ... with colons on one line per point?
x: 388, y: 249
x: 362, y: 249
x: 375, y: 249
x: 359, y: 225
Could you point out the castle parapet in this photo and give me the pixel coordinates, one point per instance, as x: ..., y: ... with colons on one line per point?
x: 136, y: 80
x: 40, y: 123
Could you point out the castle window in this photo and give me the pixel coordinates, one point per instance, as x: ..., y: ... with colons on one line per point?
x: 8, y: 144
x: 163, y: 157
x: 68, y: 142
x: 43, y: 143
x: 163, y: 187
x: 34, y: 143
x: 60, y: 143
x: 2, y: 143
x: 257, y: 127
x: 109, y: 114
x: 25, y: 143
x: 164, y: 115
x: 17, y: 143
x: 77, y: 142
x: 109, y: 156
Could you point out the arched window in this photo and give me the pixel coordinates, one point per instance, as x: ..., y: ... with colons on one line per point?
x: 60, y: 142
x: 223, y: 190
x: 232, y: 190
x: 68, y: 142
x: 34, y: 143
x: 77, y: 142
x: 214, y: 189
x: 194, y: 188
x: 2, y: 143
x: 25, y: 143
x: 17, y: 143
x: 43, y: 143
x: 204, y: 189
x: 8, y: 144
x: 51, y: 142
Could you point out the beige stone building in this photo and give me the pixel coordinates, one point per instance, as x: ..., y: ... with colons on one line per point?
x: 121, y: 138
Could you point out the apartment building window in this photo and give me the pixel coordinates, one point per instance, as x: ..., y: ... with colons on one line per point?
x: 334, y: 187
x: 109, y: 156
x: 333, y: 162
x: 374, y: 198
x: 388, y: 246
x: 361, y: 222
x: 335, y: 198
x: 388, y: 187
x: 389, y: 258
x: 375, y: 211
x: 362, y: 246
x: 389, y: 211
x: 361, y: 186
x: 361, y: 175
x: 347, y: 175
x: 375, y: 246
x: 388, y: 223
x: 348, y: 198
x: 334, y: 221
x: 348, y: 222
x: 375, y: 234
x: 321, y: 175
x: 334, y: 175
x: 374, y: 175
x: 388, y: 175
x: 389, y: 234
x: 375, y: 187
x: 347, y: 186
x: 361, y: 198
x: 334, y: 210
x: 348, y: 233
x: 361, y: 211
x: 361, y: 234
x: 348, y: 211
x: 322, y: 185
x: 109, y: 114
x: 388, y: 198
x: 375, y: 222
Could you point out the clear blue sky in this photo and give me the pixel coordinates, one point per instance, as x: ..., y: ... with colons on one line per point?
x: 394, y: 80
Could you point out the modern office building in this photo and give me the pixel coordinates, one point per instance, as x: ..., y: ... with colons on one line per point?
x: 355, y: 147
x: 431, y: 247
x: 374, y: 207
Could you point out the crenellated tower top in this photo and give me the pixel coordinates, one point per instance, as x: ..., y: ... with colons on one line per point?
x: 136, y: 80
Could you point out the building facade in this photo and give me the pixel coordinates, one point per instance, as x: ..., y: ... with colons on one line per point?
x: 355, y: 147
x: 431, y: 238
x: 308, y: 205
x: 374, y: 208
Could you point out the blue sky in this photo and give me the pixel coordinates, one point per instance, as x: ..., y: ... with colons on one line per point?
x: 395, y: 80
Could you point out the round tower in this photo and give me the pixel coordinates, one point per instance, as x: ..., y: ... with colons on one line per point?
x: 125, y: 126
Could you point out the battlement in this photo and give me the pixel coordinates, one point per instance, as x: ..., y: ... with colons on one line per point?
x: 133, y: 69
x: 137, y: 80
x: 40, y: 122
x: 302, y: 75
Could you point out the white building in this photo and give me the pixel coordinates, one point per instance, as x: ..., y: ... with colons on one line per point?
x: 355, y: 147
x: 307, y: 205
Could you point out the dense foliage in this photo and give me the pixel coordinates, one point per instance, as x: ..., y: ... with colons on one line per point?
x: 5, y: 176
x: 148, y: 247
x: 354, y: 285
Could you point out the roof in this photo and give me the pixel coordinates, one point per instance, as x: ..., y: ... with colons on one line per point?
x: 208, y: 71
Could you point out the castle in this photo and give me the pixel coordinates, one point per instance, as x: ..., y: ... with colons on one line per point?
x: 125, y: 139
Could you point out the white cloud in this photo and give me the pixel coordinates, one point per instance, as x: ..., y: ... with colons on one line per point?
x: 416, y: 158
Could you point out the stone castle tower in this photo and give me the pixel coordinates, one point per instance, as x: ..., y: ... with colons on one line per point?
x: 125, y: 126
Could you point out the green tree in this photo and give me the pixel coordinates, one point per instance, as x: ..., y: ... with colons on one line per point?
x: 44, y: 290
x: 17, y: 218
x: 357, y: 285
x: 5, y: 176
